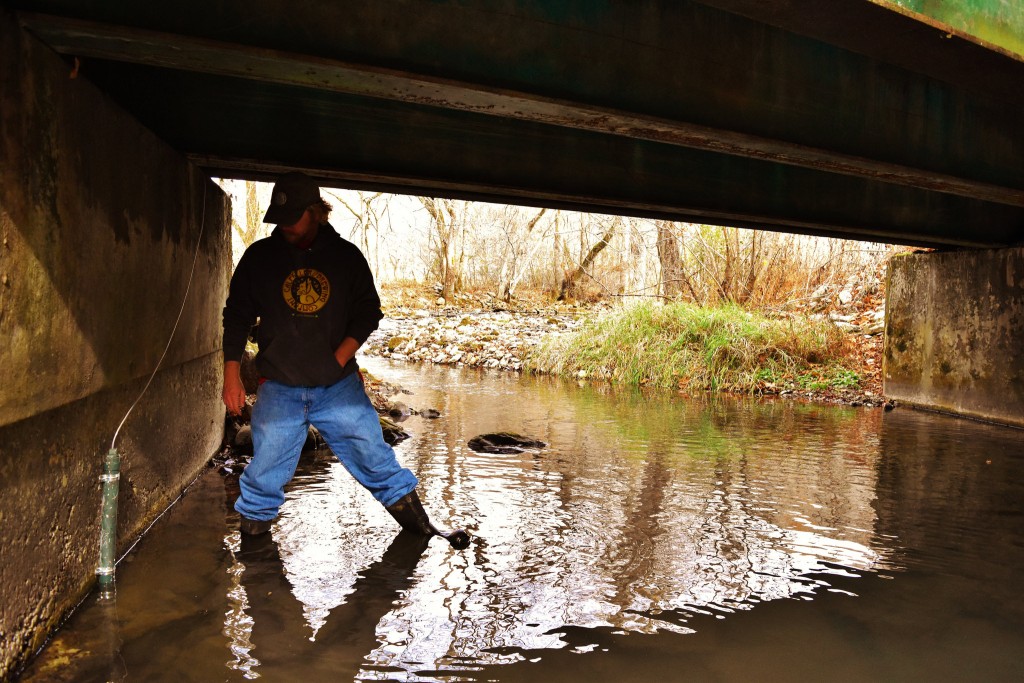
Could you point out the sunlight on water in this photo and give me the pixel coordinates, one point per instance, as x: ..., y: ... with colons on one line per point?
x: 622, y: 522
x: 770, y: 540
x: 237, y: 622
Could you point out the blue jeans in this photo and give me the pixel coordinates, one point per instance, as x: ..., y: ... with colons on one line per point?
x: 345, y: 418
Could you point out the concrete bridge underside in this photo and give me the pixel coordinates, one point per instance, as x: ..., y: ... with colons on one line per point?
x: 853, y: 118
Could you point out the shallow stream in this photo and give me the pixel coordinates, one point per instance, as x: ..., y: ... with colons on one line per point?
x: 654, y: 539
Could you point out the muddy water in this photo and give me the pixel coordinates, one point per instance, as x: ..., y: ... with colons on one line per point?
x: 655, y: 539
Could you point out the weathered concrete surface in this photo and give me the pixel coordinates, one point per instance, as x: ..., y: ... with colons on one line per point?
x: 847, y: 118
x: 954, y: 333
x: 99, y: 222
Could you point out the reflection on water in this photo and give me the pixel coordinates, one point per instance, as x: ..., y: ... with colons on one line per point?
x: 654, y: 538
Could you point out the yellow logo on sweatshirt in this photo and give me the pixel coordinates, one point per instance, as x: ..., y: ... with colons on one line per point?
x: 306, y: 290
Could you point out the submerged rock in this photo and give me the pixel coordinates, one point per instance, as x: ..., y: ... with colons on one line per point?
x: 399, y: 411
x: 503, y: 442
x: 393, y: 434
x: 241, y: 442
x: 313, y: 439
x: 243, y: 439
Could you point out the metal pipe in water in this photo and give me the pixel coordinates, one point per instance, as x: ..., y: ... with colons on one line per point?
x: 108, y: 523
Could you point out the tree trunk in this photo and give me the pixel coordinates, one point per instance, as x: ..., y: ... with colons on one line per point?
x: 753, y: 268
x: 253, y: 216
x: 556, y: 252
x: 514, y: 264
x: 439, y: 211
x: 571, y: 279
x: 670, y: 259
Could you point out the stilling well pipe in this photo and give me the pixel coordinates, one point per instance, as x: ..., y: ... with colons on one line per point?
x: 110, y: 478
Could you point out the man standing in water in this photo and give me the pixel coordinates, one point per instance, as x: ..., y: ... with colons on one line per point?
x: 314, y: 295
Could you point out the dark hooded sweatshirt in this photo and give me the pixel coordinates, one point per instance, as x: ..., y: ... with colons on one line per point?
x: 307, y: 301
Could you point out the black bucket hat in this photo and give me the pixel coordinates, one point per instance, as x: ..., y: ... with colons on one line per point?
x: 293, y: 194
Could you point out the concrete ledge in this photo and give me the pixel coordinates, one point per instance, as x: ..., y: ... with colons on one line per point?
x: 100, y: 221
x: 954, y: 333
x: 50, y: 467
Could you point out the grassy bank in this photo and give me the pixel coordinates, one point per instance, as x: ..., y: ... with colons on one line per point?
x: 684, y: 346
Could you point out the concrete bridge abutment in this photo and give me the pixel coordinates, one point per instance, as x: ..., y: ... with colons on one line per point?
x: 954, y: 333
x: 99, y: 224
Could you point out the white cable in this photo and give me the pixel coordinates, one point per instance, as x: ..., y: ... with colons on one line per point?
x: 199, y: 243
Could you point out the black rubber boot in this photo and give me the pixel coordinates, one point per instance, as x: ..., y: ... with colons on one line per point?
x: 409, y: 512
x: 254, y: 527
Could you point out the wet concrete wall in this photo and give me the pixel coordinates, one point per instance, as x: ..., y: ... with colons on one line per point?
x: 954, y: 333
x: 99, y: 224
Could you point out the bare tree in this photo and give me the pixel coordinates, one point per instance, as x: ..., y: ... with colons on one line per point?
x: 446, y: 226
x: 253, y: 217
x: 671, y: 260
x: 557, y: 253
x: 516, y: 259
x: 636, y: 274
x: 460, y: 223
x: 570, y: 283
x: 367, y: 211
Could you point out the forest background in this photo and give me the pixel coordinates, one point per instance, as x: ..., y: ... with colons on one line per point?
x: 682, y: 305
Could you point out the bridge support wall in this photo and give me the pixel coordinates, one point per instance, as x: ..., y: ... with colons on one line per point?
x: 99, y: 222
x: 954, y: 333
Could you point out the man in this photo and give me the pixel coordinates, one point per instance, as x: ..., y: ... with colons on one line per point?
x: 314, y: 295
